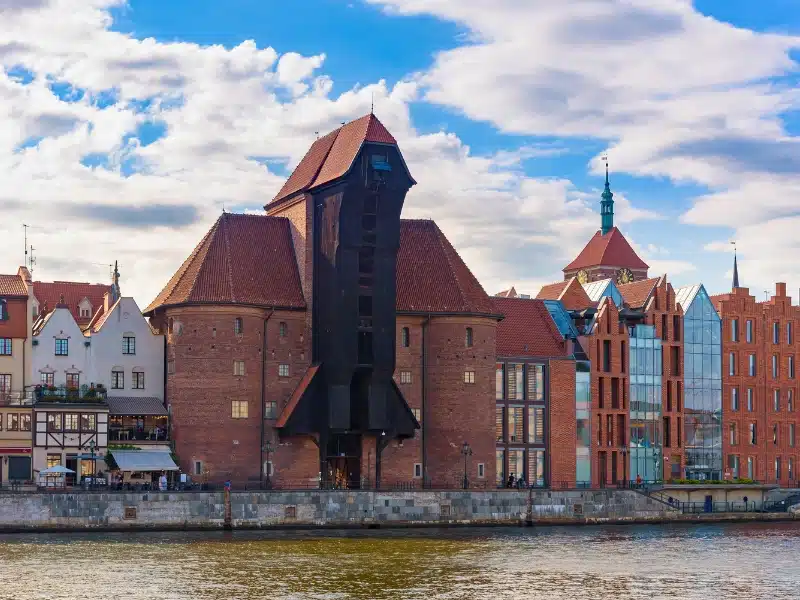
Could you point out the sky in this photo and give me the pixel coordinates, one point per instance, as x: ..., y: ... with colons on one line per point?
x: 127, y: 127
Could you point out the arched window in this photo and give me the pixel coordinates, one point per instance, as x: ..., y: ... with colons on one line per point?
x: 468, y: 338
x: 237, y: 326
x: 283, y: 329
x: 405, y: 337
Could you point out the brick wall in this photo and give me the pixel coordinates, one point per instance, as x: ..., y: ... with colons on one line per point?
x: 562, y: 432
x: 742, y: 306
x: 455, y: 411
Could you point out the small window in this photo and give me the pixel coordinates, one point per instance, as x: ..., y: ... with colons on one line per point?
x: 750, y: 407
x: 481, y: 470
x: 751, y: 361
x: 117, y: 380
x: 734, y: 399
x: 776, y: 400
x: 774, y: 366
x: 776, y: 333
x: 198, y: 467
x: 791, y: 367
x: 47, y: 378
x: 283, y: 329
x: 6, y: 346
x: 270, y: 410
x: 88, y: 422
x: 3, y: 310
x: 170, y: 367
x: 405, y: 337
x: 138, y: 380
x: 469, y: 376
x: 12, y: 422
x: 73, y: 381
x: 239, y: 409
x: 54, y: 422
x: 237, y: 326
x: 25, y: 422
x: 128, y: 344
x: 417, y: 470
x: 468, y: 338
x: 238, y: 367
x: 85, y: 313
x: 71, y: 422
x: 283, y: 370
x: 775, y: 435
x: 789, y: 337
x: 62, y: 347
x: 731, y: 364
x: 749, y: 331
x: 417, y: 415
x: 734, y: 330
x: 405, y: 376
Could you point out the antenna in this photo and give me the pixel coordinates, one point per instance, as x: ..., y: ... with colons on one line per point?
x: 25, y: 245
x: 316, y: 135
x: 372, y: 104
x: 31, y: 262
x: 766, y: 295
x: 604, y: 158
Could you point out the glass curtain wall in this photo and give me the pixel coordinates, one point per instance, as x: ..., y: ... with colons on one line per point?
x: 645, y: 453
x: 702, y: 408
x: 583, y: 414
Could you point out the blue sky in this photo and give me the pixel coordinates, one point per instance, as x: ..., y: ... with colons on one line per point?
x: 135, y: 123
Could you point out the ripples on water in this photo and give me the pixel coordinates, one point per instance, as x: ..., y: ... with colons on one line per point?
x: 715, y: 562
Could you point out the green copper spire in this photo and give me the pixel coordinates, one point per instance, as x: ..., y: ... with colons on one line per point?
x: 607, y: 206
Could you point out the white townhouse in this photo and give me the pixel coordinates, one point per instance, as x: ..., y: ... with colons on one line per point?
x: 103, y: 384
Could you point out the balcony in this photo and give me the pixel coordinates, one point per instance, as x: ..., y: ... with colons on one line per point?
x: 145, y: 428
x: 84, y: 394
x: 16, y: 398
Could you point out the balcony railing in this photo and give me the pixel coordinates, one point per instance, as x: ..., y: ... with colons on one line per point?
x: 16, y: 398
x: 125, y: 434
x: 63, y: 393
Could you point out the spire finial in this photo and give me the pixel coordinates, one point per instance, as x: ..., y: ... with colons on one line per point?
x: 372, y: 104
x: 607, y: 203
x: 735, y: 267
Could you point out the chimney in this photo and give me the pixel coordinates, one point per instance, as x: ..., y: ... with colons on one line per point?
x: 780, y: 290
x: 107, y: 302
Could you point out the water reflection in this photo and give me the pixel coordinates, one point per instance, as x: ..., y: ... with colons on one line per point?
x: 707, y: 562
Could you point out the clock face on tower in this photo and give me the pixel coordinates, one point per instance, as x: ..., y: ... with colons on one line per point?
x: 583, y: 277
x: 624, y: 276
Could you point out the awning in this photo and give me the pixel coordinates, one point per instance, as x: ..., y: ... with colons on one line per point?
x: 144, y: 460
x: 135, y: 406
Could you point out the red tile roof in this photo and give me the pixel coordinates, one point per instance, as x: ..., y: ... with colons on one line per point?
x: 611, y: 249
x: 73, y: 292
x: 332, y: 155
x: 243, y: 259
x: 509, y: 293
x: 552, y: 291
x: 431, y: 277
x: 527, y: 329
x: 12, y: 286
x: 636, y: 294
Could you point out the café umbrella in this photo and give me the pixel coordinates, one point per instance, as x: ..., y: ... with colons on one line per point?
x: 55, y: 472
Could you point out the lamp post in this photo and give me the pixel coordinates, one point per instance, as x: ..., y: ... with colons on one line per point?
x: 91, y: 451
x: 467, y: 452
x: 268, y: 450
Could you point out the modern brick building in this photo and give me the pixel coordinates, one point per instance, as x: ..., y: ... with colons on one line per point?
x: 331, y: 340
x: 630, y: 329
x: 760, y: 419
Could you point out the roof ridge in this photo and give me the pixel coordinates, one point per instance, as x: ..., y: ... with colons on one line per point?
x: 227, y: 257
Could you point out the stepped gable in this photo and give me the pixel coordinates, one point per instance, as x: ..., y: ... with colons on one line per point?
x: 431, y: 277
x: 50, y: 293
x: 331, y: 157
x: 527, y: 329
x: 611, y: 249
x: 243, y: 259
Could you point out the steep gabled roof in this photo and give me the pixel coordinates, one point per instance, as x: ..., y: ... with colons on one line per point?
x: 527, y: 329
x: 331, y: 156
x: 12, y: 286
x: 509, y: 293
x: 243, y: 259
x: 552, y: 291
x: 611, y: 249
x: 570, y: 293
x: 637, y: 293
x: 431, y: 277
x: 74, y: 293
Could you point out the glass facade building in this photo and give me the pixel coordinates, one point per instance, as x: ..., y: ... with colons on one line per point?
x: 702, y: 407
x: 583, y: 414
x: 645, y: 451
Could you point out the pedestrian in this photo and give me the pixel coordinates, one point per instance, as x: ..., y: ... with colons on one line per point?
x: 162, y: 482
x: 638, y: 480
x: 510, y: 483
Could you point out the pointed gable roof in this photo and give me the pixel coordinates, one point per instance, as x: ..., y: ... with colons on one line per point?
x: 570, y: 293
x: 527, y: 329
x: 431, y: 277
x: 637, y: 293
x: 611, y: 249
x: 331, y: 156
x: 73, y: 292
x: 243, y: 259
x: 13, y: 286
x: 509, y: 293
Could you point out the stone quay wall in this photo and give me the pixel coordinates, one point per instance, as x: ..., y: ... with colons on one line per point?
x: 320, y: 509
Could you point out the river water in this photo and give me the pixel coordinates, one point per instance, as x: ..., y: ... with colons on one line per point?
x: 709, y: 562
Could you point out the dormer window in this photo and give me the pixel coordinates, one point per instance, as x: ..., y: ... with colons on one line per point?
x: 85, y: 309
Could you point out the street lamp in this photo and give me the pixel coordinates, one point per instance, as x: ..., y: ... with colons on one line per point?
x: 268, y: 449
x: 91, y: 451
x: 467, y: 452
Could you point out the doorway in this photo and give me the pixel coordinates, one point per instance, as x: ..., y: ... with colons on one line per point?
x: 344, y: 461
x: 603, y: 463
x: 72, y: 465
